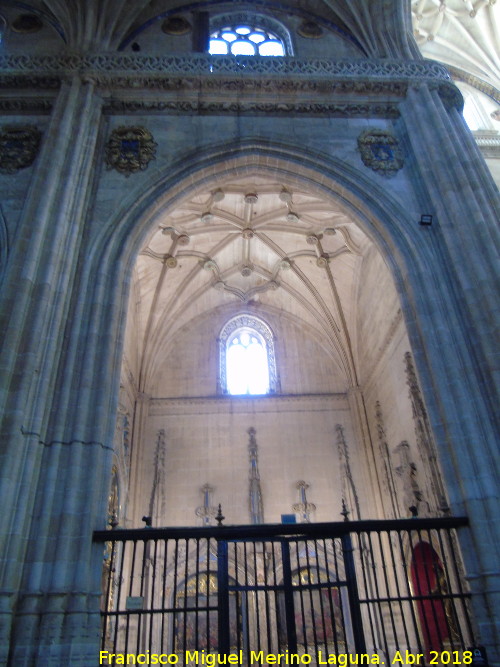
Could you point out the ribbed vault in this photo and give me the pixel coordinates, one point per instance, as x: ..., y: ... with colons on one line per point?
x: 251, y: 242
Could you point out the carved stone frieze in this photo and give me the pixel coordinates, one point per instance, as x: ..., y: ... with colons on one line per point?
x: 205, y: 64
x: 380, y: 151
x: 251, y: 75
x: 18, y: 147
x: 363, y: 110
x: 130, y: 149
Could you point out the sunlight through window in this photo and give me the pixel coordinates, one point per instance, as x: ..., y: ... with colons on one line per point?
x: 247, y: 365
x: 245, y: 40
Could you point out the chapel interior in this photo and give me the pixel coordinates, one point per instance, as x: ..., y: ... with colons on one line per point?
x: 249, y: 271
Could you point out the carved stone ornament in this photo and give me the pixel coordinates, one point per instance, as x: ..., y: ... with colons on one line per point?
x: 18, y: 147
x: 380, y: 151
x: 130, y: 149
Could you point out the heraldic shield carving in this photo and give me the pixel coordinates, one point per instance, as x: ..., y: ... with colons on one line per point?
x: 130, y: 149
x: 18, y: 147
x: 380, y: 151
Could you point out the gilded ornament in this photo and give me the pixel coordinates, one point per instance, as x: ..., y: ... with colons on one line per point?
x: 130, y: 149
x: 380, y: 151
x: 18, y: 147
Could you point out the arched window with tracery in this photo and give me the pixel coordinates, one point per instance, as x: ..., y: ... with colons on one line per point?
x: 246, y: 34
x: 246, y: 356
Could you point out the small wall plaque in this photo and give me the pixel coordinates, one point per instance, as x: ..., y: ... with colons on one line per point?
x: 134, y: 603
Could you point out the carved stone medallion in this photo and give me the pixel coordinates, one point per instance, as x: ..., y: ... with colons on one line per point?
x: 18, y: 147
x: 130, y: 149
x: 380, y: 151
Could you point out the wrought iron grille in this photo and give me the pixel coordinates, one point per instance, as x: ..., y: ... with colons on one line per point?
x: 306, y: 591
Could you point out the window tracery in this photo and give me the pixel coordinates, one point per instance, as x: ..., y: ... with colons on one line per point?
x: 247, y: 358
x: 248, y: 34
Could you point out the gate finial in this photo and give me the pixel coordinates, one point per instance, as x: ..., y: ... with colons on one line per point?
x: 219, y: 518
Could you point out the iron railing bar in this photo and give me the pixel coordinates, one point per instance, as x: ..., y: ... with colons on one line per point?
x: 352, y: 590
x: 153, y: 581
x: 427, y: 578
x: 174, y: 594
x: 320, y: 595
x: 141, y: 592
x: 387, y: 585
x: 398, y: 589
x: 247, y: 603
x: 337, y: 542
x: 130, y: 594
x: 163, y: 593
x: 298, y: 592
x: 186, y: 577
x: 242, y: 533
x: 207, y: 597
x: 411, y: 596
x: 289, y: 602
x: 222, y: 597
x: 364, y: 559
x: 197, y: 594
x: 464, y: 596
x: 108, y: 591
x: 266, y: 598
x: 311, y: 600
x: 236, y: 574
x: 170, y: 610
x: 118, y: 598
x: 330, y: 597
x: 256, y: 597
x: 452, y: 623
x: 377, y: 602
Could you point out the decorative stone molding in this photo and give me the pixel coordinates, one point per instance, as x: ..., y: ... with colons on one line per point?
x: 230, y: 84
x: 425, y: 440
x: 130, y: 149
x: 349, y: 491
x: 18, y: 147
x: 224, y: 405
x: 384, y: 460
x: 380, y: 151
x: 255, y: 500
x: 337, y: 110
x: 488, y: 143
x: 196, y: 64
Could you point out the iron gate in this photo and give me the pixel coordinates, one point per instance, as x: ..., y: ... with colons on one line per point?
x: 304, y: 592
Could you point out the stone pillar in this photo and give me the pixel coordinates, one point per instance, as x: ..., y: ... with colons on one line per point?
x: 456, y: 187
x: 51, y: 479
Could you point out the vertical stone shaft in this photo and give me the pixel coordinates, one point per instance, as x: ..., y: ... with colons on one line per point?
x: 255, y: 493
x: 463, y: 351
x: 38, y: 291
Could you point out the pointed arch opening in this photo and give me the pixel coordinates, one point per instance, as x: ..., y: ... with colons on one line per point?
x: 247, y: 361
